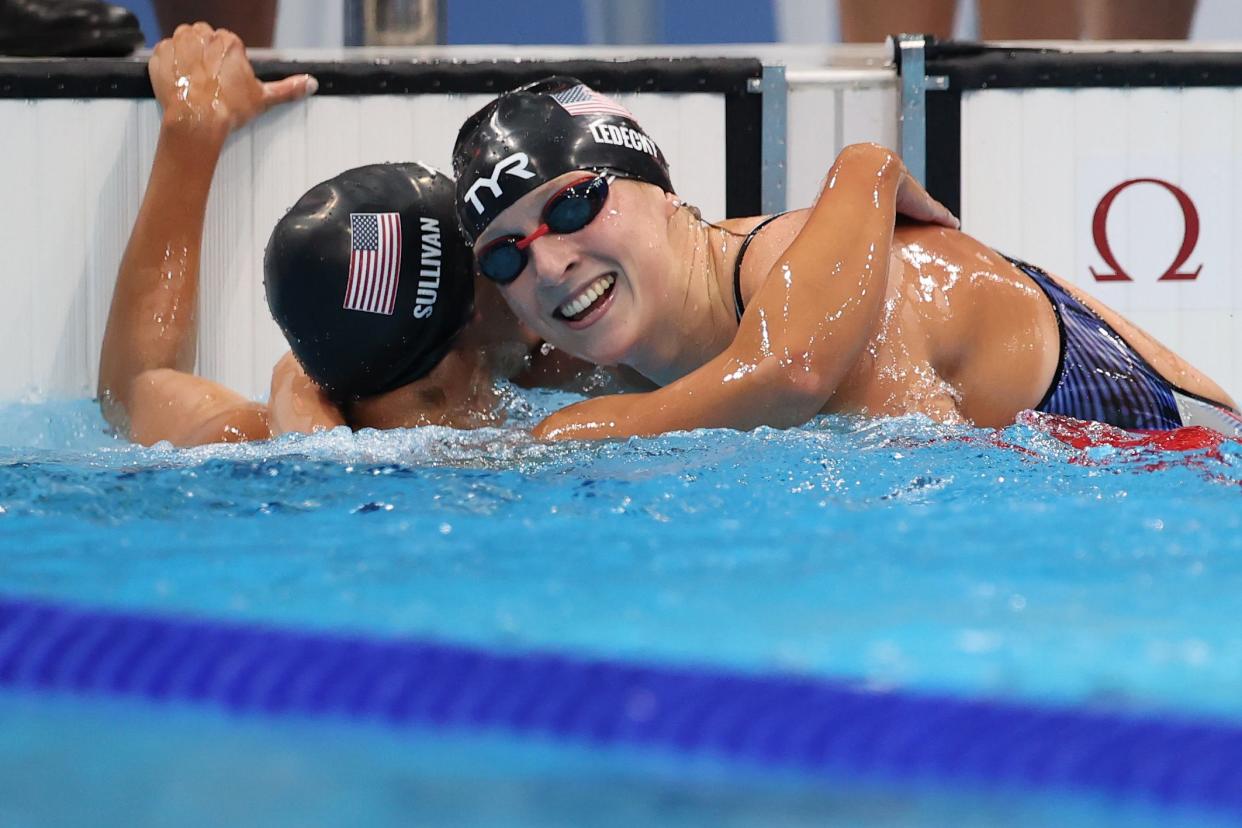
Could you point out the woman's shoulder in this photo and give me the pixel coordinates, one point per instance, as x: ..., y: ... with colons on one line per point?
x: 766, y: 247
x: 744, y: 225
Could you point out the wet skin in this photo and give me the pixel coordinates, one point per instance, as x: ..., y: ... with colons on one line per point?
x: 966, y: 336
x: 206, y: 89
x: 847, y: 309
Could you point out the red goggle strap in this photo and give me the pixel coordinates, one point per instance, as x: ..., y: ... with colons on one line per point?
x: 523, y: 243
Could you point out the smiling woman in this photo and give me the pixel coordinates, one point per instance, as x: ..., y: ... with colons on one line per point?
x: 870, y: 302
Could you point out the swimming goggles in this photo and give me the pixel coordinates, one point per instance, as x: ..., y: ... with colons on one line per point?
x: 570, y: 208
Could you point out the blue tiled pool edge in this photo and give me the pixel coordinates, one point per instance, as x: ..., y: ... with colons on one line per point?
x: 791, y: 722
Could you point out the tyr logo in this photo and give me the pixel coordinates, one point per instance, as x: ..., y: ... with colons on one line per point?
x: 1190, y: 234
x: 518, y: 161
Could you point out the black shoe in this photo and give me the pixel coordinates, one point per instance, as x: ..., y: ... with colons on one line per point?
x: 67, y: 28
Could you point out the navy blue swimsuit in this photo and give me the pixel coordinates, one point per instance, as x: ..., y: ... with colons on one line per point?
x: 1099, y: 376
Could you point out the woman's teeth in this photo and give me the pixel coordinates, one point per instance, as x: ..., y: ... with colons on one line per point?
x: 584, y: 299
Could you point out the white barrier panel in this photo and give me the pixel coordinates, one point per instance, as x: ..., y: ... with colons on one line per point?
x: 1131, y: 193
x: 75, y: 171
x: 828, y: 110
x: 1111, y: 165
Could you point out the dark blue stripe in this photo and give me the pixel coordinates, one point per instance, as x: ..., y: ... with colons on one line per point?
x: 783, y: 721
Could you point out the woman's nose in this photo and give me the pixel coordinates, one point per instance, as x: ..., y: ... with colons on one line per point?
x: 553, y: 258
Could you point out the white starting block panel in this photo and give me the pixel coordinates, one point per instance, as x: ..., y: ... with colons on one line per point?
x: 1121, y: 172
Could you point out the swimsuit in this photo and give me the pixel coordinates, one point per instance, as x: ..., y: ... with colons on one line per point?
x: 1099, y: 376
x: 738, y: 304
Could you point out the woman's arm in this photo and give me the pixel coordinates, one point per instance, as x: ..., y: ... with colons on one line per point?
x: 804, y: 328
x: 207, y: 89
x: 297, y: 404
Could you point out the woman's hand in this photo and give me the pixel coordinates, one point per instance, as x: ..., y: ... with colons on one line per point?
x: 912, y: 200
x: 915, y: 202
x: 203, y: 81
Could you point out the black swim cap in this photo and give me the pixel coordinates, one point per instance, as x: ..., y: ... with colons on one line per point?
x: 370, y: 279
x: 530, y: 135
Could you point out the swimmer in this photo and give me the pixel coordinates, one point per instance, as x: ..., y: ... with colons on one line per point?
x: 872, y: 301
x: 425, y: 357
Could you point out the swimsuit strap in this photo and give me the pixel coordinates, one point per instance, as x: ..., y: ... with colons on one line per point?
x: 737, y: 266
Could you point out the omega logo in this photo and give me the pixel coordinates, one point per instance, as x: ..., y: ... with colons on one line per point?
x: 1190, y: 234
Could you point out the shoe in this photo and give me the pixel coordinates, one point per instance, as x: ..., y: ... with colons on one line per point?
x: 67, y: 28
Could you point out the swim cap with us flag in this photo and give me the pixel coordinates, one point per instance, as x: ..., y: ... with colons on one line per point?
x: 369, y: 278
x: 532, y: 134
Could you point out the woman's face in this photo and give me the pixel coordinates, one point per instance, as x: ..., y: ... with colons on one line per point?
x: 594, y: 293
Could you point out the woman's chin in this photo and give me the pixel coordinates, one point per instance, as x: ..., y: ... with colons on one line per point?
x: 611, y: 356
x: 598, y: 352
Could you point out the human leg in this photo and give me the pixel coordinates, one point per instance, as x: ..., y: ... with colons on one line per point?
x: 254, y: 21
x: 870, y: 21
x: 1028, y: 19
x: 1137, y: 19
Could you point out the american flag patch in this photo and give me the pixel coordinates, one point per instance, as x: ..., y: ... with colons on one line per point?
x: 582, y: 100
x: 374, y: 262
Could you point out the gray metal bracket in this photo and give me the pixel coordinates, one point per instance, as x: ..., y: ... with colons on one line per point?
x: 774, y: 149
x: 914, y: 85
x: 395, y: 22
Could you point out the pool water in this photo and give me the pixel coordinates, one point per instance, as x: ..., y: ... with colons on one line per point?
x: 888, y: 554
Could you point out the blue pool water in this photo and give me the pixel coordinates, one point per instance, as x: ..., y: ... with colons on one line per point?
x: 888, y: 554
